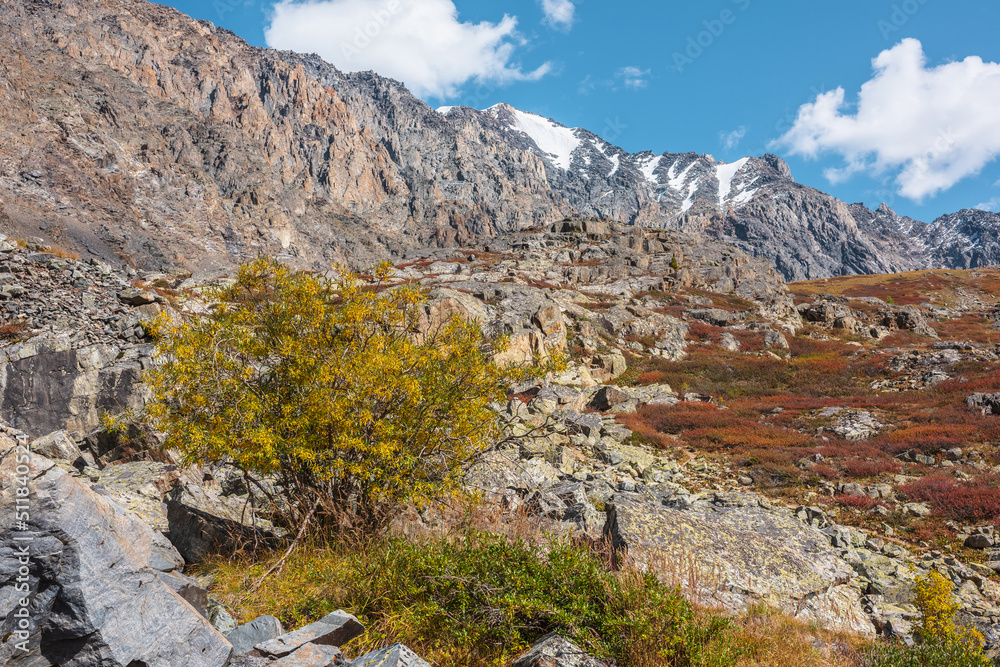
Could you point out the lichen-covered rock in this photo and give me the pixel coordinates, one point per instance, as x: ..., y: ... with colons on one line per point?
x: 200, y: 521
x: 57, y: 445
x: 743, y: 550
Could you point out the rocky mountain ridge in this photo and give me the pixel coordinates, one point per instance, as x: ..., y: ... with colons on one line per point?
x: 135, y: 134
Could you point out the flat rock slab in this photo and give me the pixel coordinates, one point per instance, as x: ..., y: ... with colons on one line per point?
x: 735, y: 549
x: 334, y: 629
x: 56, y: 445
x: 139, y: 487
x: 554, y: 650
x: 396, y: 655
x: 311, y: 655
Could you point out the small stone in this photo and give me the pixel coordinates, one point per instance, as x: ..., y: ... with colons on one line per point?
x: 221, y: 619
x: 553, y: 650
x: 396, y: 655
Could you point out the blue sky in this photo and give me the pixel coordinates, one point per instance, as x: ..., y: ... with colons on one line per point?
x: 725, y: 77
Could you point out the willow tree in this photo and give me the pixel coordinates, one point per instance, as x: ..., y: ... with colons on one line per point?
x: 329, y: 395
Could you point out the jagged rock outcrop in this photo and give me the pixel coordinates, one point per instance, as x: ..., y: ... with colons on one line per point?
x: 965, y: 240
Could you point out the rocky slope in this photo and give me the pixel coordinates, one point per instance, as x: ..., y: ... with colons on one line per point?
x: 783, y: 490
x: 131, y: 132
x: 73, y: 339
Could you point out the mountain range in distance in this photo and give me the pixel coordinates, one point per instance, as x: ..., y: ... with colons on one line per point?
x: 132, y: 132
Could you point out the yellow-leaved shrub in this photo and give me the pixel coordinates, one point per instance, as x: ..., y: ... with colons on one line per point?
x: 937, y: 607
x: 328, y: 394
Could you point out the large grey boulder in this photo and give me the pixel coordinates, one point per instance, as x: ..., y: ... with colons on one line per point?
x: 201, y: 521
x: 48, y: 385
x: 553, y: 650
x: 94, y: 599
x: 987, y: 404
x: 910, y: 318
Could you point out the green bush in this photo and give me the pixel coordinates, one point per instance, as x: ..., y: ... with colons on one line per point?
x: 482, y: 599
x: 938, y: 653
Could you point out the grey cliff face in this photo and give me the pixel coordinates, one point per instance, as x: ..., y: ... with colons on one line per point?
x: 166, y: 142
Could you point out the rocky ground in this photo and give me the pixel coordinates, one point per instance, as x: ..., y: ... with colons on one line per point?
x: 813, y: 447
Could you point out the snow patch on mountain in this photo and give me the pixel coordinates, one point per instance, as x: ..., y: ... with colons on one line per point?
x: 726, y: 173
x: 555, y: 140
x: 616, y: 163
x: 648, y: 167
x: 689, y: 200
x: 677, y: 182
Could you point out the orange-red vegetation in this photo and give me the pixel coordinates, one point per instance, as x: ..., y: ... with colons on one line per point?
x: 709, y: 427
x: 972, y: 502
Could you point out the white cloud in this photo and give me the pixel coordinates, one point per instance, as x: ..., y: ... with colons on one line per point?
x: 559, y: 13
x: 991, y: 205
x: 731, y: 140
x: 632, y: 77
x: 931, y: 126
x: 423, y: 43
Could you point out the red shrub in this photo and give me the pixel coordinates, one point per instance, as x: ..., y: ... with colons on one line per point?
x: 708, y: 426
x: 750, y: 341
x: 968, y: 503
x: 650, y: 377
x: 863, y: 503
x: 700, y: 331
x: 861, y: 469
x: 825, y: 471
x: 741, y: 436
x: 679, y: 418
x: 928, y: 439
